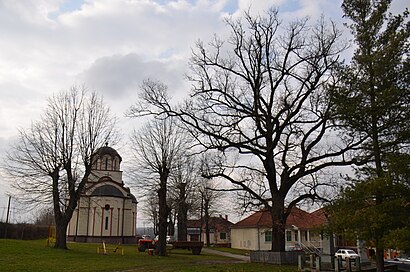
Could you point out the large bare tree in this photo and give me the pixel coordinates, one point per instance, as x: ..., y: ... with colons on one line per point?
x: 157, y: 146
x: 260, y: 97
x: 51, y: 161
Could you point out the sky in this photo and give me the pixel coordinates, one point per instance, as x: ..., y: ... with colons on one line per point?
x: 111, y: 46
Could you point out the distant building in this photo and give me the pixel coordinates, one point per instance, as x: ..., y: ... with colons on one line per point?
x: 219, y: 230
x: 106, y: 211
x: 255, y: 231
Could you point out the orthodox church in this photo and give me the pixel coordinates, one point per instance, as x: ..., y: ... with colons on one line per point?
x: 106, y: 211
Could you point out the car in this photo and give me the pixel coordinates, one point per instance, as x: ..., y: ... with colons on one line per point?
x: 170, y: 239
x: 346, y: 254
x: 403, y: 264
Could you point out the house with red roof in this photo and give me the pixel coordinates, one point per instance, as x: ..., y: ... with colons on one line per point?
x: 219, y: 230
x: 255, y: 231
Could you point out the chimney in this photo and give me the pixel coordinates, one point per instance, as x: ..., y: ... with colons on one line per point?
x: 226, y: 217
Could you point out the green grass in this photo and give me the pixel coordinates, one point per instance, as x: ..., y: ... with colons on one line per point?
x: 16, y: 255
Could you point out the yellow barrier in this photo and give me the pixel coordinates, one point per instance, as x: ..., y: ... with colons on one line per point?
x: 103, y: 249
x: 51, y: 239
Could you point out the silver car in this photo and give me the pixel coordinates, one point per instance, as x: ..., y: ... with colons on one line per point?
x: 346, y: 254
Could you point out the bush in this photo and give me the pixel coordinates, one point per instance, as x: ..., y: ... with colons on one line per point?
x: 23, y: 231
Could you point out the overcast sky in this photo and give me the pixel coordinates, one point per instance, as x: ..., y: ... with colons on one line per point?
x: 110, y: 46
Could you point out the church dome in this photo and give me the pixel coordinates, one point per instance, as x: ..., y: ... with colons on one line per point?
x: 106, y: 150
x: 106, y: 158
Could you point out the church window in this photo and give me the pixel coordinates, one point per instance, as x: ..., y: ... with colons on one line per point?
x: 106, y: 163
x: 106, y: 222
x: 114, y: 167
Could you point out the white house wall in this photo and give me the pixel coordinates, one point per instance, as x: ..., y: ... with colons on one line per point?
x: 254, y: 239
x: 244, y: 239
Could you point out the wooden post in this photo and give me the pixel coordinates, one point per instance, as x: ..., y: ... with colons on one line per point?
x: 7, y: 218
x: 357, y: 264
x: 312, y: 262
x: 105, y: 250
x: 318, y: 264
x: 338, y: 264
x: 348, y: 264
x: 300, y: 264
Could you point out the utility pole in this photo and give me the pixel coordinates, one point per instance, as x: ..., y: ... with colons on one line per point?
x: 202, y: 209
x: 7, y: 218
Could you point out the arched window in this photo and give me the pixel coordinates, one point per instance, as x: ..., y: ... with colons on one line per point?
x: 106, y: 222
x: 105, y: 163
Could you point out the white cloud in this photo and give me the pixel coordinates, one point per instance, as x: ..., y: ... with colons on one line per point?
x: 110, y: 46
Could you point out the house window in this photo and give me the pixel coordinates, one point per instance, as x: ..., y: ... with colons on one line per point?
x: 268, y: 236
x: 288, y: 235
x: 306, y: 235
x: 106, y: 222
x: 296, y: 236
x: 222, y: 235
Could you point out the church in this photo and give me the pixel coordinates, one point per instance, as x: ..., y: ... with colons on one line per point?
x: 106, y: 210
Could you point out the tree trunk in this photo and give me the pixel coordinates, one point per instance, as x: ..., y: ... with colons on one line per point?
x: 206, y: 211
x: 163, y: 216
x: 278, y: 226
x: 60, y: 217
x: 61, y: 234
x: 182, y: 226
x: 182, y: 214
x: 379, y: 259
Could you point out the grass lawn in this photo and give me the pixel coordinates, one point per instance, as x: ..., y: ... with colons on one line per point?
x: 17, y: 255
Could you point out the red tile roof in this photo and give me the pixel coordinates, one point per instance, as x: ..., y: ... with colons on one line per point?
x: 217, y: 223
x: 297, y: 217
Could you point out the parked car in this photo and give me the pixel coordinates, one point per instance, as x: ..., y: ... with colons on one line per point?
x: 346, y: 254
x: 169, y: 239
x: 403, y: 264
x: 145, y: 243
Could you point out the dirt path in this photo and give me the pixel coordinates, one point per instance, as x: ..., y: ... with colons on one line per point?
x: 240, y: 258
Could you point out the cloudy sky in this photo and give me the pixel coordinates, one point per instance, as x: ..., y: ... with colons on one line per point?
x: 110, y: 46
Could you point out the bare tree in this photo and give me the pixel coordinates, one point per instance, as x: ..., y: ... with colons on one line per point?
x: 150, y: 208
x: 210, y: 193
x: 184, y: 192
x: 157, y: 147
x: 44, y: 217
x: 51, y: 161
x: 260, y: 97
x: 210, y: 198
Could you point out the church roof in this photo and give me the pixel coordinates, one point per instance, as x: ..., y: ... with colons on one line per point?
x: 106, y: 150
x: 107, y: 190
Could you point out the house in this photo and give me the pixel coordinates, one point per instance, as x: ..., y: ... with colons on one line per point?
x: 219, y: 229
x: 106, y: 210
x: 255, y: 233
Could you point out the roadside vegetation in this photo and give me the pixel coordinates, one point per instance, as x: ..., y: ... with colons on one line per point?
x: 18, y: 255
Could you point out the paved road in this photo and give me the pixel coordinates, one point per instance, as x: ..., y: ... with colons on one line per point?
x: 227, y: 254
